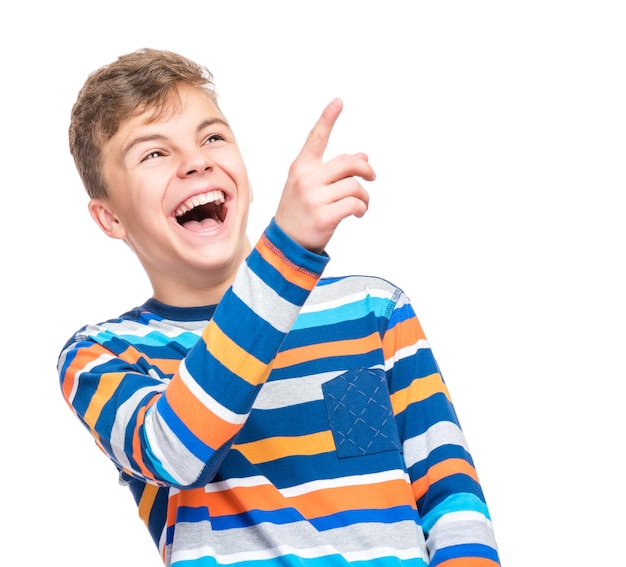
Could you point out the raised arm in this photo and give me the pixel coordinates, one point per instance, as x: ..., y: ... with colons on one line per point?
x: 171, y: 420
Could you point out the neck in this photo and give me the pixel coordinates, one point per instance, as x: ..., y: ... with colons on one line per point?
x: 196, y: 287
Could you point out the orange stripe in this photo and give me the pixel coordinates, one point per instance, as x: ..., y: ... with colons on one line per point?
x: 318, y: 503
x: 137, y: 453
x: 278, y: 447
x: 69, y: 377
x: 417, y: 391
x: 130, y: 354
x: 469, y: 562
x: 235, y: 500
x: 402, y: 335
x: 442, y: 470
x: 146, y: 502
x: 85, y: 356
x: 290, y: 271
x: 332, y: 500
x: 325, y: 350
x: 233, y: 357
x: 88, y: 355
x: 107, y: 384
x: 192, y: 497
x: 166, y: 365
x: 241, y: 499
x: 206, y: 426
x: 82, y: 359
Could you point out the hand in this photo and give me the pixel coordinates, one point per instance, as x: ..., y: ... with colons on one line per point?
x: 319, y: 195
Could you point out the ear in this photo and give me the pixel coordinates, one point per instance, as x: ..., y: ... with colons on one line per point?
x: 106, y: 218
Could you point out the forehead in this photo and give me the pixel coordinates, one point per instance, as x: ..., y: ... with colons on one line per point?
x: 182, y: 99
x: 186, y: 109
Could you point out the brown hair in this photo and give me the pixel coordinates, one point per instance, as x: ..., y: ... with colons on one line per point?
x: 142, y: 80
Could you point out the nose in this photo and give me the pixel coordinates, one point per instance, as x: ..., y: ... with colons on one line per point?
x: 194, y: 162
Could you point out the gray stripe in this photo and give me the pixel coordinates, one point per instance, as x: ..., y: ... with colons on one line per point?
x: 264, y: 301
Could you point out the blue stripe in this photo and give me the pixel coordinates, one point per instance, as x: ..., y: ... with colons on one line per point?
x: 233, y: 392
x: 274, y: 279
x: 303, y: 419
x: 330, y: 364
x: 257, y: 335
x: 199, y: 449
x: 244, y: 520
x: 464, y: 550
x: 352, y: 517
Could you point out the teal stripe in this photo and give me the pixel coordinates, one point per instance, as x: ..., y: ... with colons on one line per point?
x: 390, y: 562
x: 456, y: 503
x: 158, y: 467
x: 157, y: 339
x: 283, y: 560
x: 343, y: 313
x: 297, y: 561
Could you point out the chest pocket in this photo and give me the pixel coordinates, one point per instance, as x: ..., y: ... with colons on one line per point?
x: 359, y: 413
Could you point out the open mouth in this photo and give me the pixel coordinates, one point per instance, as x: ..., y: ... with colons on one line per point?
x: 203, y: 211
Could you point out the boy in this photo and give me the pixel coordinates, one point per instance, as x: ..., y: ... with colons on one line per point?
x: 260, y: 414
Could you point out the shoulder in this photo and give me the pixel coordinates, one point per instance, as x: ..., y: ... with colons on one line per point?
x: 351, y: 283
x: 126, y: 323
x: 353, y: 288
x: 356, y: 299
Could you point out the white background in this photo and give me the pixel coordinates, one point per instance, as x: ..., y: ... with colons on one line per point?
x: 497, y: 130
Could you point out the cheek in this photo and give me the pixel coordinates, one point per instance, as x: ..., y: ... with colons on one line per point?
x: 143, y: 212
x: 235, y: 168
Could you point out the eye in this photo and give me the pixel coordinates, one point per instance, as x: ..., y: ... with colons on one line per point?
x: 214, y: 138
x: 153, y: 154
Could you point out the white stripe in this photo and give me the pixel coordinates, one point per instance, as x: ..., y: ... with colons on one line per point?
x: 356, y: 480
x: 376, y: 552
x: 122, y: 418
x: 305, y: 488
x: 441, y: 433
x: 461, y: 527
x: 247, y: 482
x: 134, y: 329
x: 102, y: 359
x: 254, y: 555
x: 406, y: 352
x: 207, y: 401
x: 312, y: 306
x: 305, y: 553
x: 461, y: 516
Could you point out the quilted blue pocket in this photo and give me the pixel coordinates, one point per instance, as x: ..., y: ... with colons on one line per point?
x: 359, y: 412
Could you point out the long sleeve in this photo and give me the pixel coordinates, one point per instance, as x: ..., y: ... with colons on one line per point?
x: 168, y: 421
x: 303, y: 420
x: 449, y: 498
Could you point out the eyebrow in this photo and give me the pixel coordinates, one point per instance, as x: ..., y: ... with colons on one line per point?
x: 160, y: 137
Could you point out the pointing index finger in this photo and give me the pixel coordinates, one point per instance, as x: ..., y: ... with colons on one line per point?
x: 317, y: 140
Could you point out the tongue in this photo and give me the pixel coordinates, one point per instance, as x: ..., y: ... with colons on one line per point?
x: 199, y: 226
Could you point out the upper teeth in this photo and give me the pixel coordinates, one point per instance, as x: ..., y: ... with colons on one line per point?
x: 215, y: 196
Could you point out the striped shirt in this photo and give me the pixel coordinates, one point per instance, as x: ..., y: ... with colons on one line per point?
x: 301, y: 421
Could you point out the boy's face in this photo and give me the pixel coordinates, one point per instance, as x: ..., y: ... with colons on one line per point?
x: 179, y: 195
